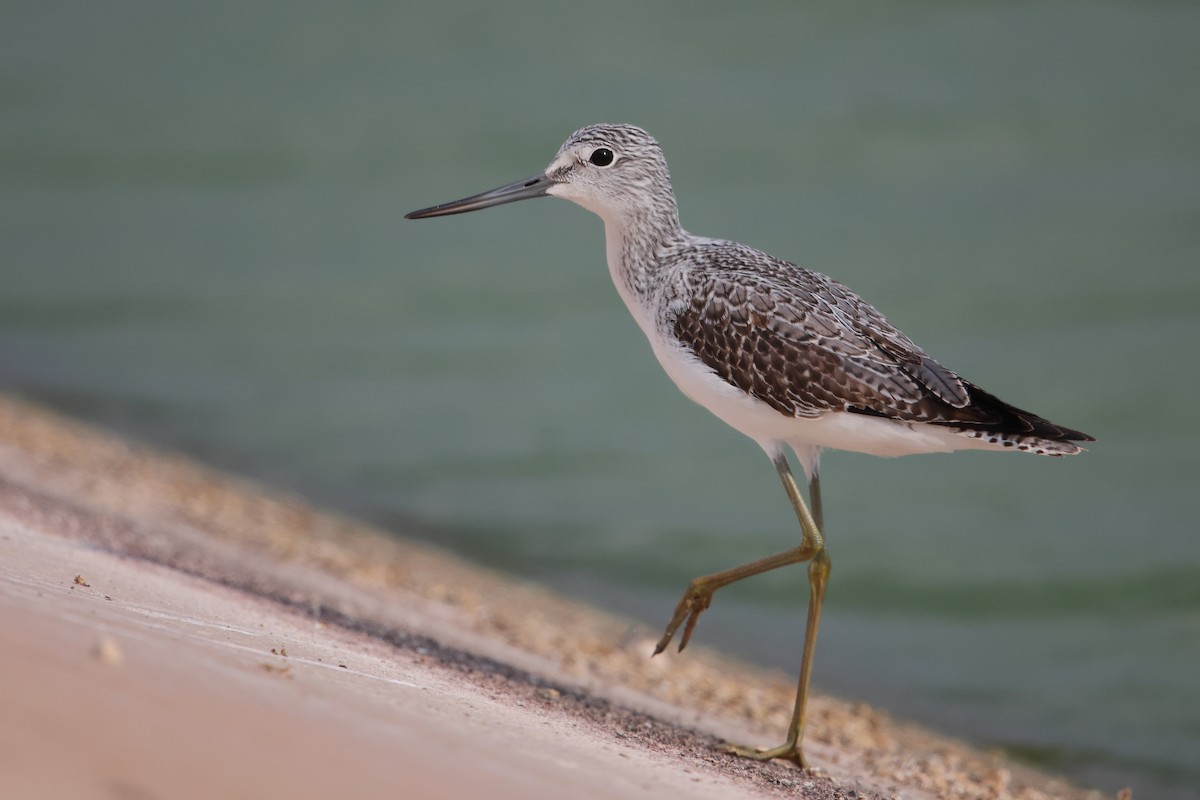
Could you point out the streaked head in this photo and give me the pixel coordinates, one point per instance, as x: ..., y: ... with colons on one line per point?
x: 613, y: 170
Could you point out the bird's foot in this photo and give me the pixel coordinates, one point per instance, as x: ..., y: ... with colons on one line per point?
x: 788, y: 751
x: 696, y: 598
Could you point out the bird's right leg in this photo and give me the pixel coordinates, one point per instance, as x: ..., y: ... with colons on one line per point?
x: 698, y: 595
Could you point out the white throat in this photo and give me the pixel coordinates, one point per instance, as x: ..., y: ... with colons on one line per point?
x: 622, y: 276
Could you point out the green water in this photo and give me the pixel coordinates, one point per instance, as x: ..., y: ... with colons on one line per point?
x: 201, y: 244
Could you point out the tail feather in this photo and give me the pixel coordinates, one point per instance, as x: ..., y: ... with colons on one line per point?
x: 999, y: 423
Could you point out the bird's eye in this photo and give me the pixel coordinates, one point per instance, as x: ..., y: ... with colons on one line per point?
x: 601, y: 157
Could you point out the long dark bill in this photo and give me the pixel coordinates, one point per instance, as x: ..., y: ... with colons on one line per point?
x: 535, y: 186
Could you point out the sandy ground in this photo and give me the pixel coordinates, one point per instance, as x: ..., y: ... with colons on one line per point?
x: 169, y: 632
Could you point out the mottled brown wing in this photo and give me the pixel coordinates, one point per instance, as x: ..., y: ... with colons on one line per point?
x: 805, y: 344
x: 797, y: 348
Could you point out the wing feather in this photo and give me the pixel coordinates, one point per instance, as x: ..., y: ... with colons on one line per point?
x: 805, y: 344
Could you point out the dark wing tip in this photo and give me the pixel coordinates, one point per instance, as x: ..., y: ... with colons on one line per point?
x: 1000, y: 416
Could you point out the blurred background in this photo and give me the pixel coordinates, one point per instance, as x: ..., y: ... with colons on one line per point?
x: 201, y: 245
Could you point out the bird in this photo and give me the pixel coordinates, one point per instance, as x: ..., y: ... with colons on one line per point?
x: 785, y: 355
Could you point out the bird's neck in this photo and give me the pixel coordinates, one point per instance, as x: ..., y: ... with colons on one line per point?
x: 635, y: 244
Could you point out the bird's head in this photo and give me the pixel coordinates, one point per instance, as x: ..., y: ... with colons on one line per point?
x: 615, y: 171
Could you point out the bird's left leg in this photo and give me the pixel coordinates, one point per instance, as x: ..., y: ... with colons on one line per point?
x: 698, y: 595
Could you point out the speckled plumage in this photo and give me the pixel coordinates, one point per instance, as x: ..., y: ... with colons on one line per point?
x: 795, y: 340
x: 806, y: 345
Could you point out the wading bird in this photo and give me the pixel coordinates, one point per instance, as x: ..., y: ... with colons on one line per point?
x: 788, y: 356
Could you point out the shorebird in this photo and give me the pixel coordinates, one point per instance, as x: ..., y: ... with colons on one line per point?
x: 787, y: 356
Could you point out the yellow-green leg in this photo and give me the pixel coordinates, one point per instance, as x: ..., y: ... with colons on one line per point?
x: 698, y: 596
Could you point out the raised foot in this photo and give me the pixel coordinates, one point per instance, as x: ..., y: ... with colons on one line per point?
x: 696, y: 598
x: 788, y: 751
